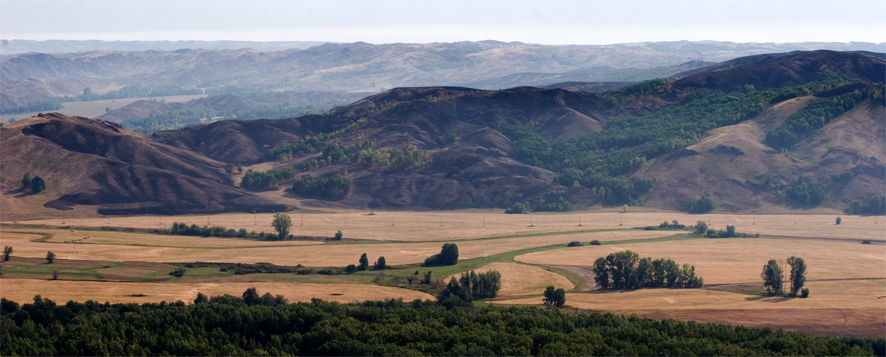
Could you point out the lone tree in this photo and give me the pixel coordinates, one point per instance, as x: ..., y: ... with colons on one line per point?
x: 448, y: 256
x: 704, y: 205
x: 338, y: 236
x: 839, y: 220
x: 7, y: 250
x: 798, y: 274
x: 50, y: 257
x: 380, y: 264
x: 26, y: 180
x: 364, y: 262
x: 282, y: 223
x: 772, y: 276
x: 37, y: 184
x: 201, y: 299
x: 554, y: 298
x: 701, y: 227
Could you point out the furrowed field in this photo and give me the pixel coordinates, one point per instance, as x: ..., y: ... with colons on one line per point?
x: 847, y: 279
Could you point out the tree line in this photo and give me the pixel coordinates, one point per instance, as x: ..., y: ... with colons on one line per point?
x: 626, y: 270
x: 874, y: 205
x: 332, y: 188
x: 265, y: 324
x: 469, y: 287
x: 263, y: 181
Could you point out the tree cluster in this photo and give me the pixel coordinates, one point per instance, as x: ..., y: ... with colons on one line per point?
x: 773, y: 277
x: 332, y: 188
x: 448, y: 256
x: 182, y: 229
x: 816, y: 115
x: 554, y: 297
x: 625, y: 270
x: 874, y: 205
x: 254, y: 324
x: 469, y: 287
x: 263, y: 181
x: 35, y: 184
x: 703, y: 205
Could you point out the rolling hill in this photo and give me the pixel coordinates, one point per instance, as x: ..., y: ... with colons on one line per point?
x: 660, y: 144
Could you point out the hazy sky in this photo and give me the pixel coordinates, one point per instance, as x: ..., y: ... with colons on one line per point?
x: 545, y: 22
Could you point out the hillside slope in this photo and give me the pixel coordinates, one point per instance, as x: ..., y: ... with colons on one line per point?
x: 99, y: 164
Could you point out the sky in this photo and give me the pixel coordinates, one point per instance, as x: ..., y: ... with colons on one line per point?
x: 585, y: 22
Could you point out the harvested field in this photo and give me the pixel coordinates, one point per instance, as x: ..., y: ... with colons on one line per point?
x: 462, y: 225
x: 23, y: 290
x: 68, y: 236
x: 738, y: 260
x: 832, y: 305
x: 286, y: 252
x: 519, y: 279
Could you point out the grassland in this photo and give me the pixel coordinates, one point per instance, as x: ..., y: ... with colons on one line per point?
x: 474, y: 224
x: 521, y: 279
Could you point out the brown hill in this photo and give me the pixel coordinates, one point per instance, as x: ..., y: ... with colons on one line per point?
x: 99, y: 164
x: 720, y: 164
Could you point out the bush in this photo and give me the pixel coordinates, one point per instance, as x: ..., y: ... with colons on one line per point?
x: 178, y: 272
x: 50, y: 257
x: 595, y: 242
x: 381, y: 264
x: 804, y: 293
x: 337, y: 236
x: 866, y: 241
x: 350, y: 268
x: 839, y: 220
x: 574, y: 244
x: 701, y: 227
x: 55, y: 274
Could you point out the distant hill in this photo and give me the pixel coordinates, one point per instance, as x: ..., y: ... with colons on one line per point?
x: 659, y: 143
x: 10, y: 47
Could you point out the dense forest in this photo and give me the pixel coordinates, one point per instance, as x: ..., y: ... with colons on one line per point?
x: 267, y: 325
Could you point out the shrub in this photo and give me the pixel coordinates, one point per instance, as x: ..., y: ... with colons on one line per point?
x: 574, y: 244
x: 178, y: 272
x: 839, y: 220
x: 350, y: 268
x: 701, y: 227
x: 866, y: 241
x: 595, y: 242
x: 381, y: 264
x: 50, y: 257
x: 448, y: 256
x: 804, y: 293
x: 337, y: 236
x: 55, y: 274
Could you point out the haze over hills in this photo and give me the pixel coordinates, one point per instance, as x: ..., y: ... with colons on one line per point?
x: 30, y: 81
x: 644, y: 144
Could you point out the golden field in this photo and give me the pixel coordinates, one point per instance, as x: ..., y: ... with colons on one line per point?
x: 469, y: 224
x: 739, y: 260
x: 521, y: 279
x: 23, y: 290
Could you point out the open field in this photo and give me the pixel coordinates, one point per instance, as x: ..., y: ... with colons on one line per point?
x: 121, y: 246
x: 462, y: 225
x: 23, y: 290
x: 861, y: 297
x: 739, y: 260
x: 97, y: 108
x: 519, y: 279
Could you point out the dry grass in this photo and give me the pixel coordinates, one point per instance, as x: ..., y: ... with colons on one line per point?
x: 192, y: 249
x: 462, y: 225
x: 840, y: 308
x: 739, y: 260
x: 823, y: 294
x: 23, y: 290
x: 520, y: 279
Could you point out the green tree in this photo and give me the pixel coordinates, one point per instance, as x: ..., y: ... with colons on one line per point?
x: 37, y: 184
x: 701, y: 227
x: 798, y: 274
x: 554, y: 297
x: 517, y: 208
x: 364, y: 262
x: 448, y: 256
x: 282, y: 223
x: 772, y: 278
x: 7, y: 251
x: 338, y: 235
x: 380, y: 264
x: 201, y: 299
x: 26, y: 180
x: 703, y: 205
x: 250, y: 296
x: 50, y: 257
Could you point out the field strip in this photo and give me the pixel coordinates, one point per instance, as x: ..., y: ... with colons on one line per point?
x: 23, y: 290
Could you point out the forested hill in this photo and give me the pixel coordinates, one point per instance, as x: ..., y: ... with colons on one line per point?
x: 560, y: 149
x: 267, y: 326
